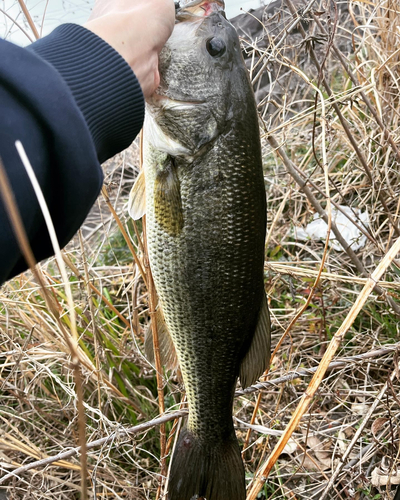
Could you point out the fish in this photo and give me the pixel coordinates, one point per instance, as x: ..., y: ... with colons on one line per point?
x: 202, y: 190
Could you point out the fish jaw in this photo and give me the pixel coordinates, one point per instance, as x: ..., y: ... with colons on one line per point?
x: 199, y: 8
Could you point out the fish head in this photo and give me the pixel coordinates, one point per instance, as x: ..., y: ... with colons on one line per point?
x: 204, y: 82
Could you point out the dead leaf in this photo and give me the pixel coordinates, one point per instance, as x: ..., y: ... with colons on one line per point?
x: 318, y: 452
x: 377, y: 425
x: 380, y: 478
x: 359, y: 408
x: 307, y: 463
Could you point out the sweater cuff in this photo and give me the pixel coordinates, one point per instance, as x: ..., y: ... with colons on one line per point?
x: 102, y: 83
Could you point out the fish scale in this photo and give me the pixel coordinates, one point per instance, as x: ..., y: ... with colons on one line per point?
x: 206, y: 220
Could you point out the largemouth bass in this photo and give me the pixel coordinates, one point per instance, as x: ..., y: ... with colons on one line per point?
x: 202, y: 190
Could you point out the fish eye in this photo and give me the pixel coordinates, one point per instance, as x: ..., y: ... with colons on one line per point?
x: 215, y: 46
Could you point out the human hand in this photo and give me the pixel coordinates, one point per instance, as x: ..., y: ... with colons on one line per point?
x: 138, y: 30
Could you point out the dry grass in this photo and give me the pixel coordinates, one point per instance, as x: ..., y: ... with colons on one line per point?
x: 349, y: 433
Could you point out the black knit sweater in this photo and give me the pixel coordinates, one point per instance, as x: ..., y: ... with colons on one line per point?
x: 73, y: 102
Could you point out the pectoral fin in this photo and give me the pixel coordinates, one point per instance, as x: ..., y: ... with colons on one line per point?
x: 257, y: 358
x: 167, y: 199
x: 137, y: 198
x: 168, y: 355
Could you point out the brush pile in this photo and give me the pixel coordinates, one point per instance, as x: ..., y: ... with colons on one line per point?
x: 327, y: 84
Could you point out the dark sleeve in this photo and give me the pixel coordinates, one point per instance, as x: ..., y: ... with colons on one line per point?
x: 73, y: 102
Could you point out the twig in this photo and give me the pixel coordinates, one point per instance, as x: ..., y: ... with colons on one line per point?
x: 92, y: 315
x: 20, y: 233
x: 253, y: 419
x: 94, y: 444
x: 28, y: 17
x: 341, y: 363
x: 43, y: 18
x: 16, y: 24
x: 319, y: 374
x: 335, y: 106
x: 290, y: 28
x: 387, y: 135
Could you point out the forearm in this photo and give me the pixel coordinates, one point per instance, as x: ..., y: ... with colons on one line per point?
x: 68, y: 114
x: 73, y: 100
x: 103, y: 85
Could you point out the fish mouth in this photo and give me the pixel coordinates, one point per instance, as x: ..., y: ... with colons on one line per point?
x: 199, y: 9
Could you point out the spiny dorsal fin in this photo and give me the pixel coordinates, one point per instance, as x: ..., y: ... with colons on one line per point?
x: 257, y: 358
x: 167, y: 198
x: 168, y: 355
x: 137, y: 198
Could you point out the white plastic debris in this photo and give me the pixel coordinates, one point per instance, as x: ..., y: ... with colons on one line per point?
x: 317, y: 229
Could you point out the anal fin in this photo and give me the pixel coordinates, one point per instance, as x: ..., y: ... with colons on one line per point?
x: 137, y: 198
x: 168, y: 355
x: 258, y: 356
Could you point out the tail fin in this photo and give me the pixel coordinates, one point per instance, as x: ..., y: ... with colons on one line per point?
x: 206, y: 469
